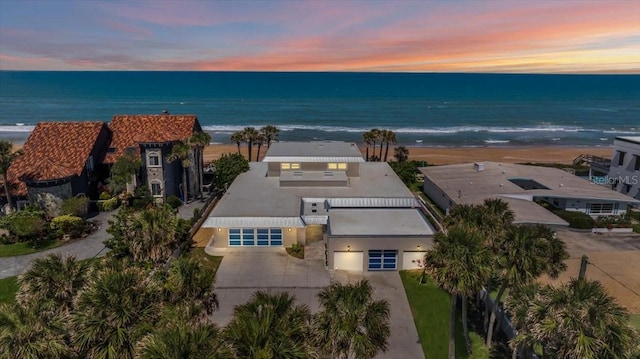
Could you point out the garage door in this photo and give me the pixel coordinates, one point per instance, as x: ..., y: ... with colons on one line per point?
x: 251, y: 237
x: 409, y: 259
x: 383, y: 260
x: 348, y: 261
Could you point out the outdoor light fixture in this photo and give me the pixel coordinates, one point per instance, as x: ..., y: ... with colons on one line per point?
x: 348, y: 248
x: 289, y: 229
x: 219, y: 229
x: 419, y: 247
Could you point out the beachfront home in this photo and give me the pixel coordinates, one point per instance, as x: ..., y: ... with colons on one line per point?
x: 60, y: 160
x: 325, y: 192
x: 624, y: 173
x: 152, y: 137
x: 521, y: 186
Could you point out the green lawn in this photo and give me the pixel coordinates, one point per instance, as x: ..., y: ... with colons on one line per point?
x: 8, y: 289
x: 430, y: 309
x: 22, y: 248
x: 208, y: 261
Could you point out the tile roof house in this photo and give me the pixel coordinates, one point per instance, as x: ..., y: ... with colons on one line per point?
x: 59, y: 160
x: 152, y: 137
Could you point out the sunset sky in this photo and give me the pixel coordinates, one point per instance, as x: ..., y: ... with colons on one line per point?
x: 425, y: 36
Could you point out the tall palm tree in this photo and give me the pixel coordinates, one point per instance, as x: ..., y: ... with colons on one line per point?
x: 238, y: 138
x: 185, y: 340
x: 181, y: 151
x: 376, y: 136
x: 115, y: 310
x: 389, y: 137
x: 270, y: 326
x: 270, y: 133
x: 6, y: 158
x: 368, y: 139
x: 25, y: 334
x: 259, y: 140
x: 382, y: 135
x: 517, y: 304
x: 578, y: 319
x: 460, y: 264
x: 198, y: 141
x: 401, y: 153
x: 250, y: 134
x: 153, y: 235
x: 524, y: 254
x: 351, y: 324
x: 51, y: 283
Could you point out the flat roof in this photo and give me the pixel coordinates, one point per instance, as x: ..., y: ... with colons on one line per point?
x: 315, y: 151
x: 378, y: 222
x: 253, y: 194
x: 632, y: 139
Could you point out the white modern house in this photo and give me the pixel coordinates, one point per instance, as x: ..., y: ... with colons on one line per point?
x: 521, y: 186
x: 624, y: 173
x: 324, y: 191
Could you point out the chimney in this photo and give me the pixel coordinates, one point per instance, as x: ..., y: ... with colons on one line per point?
x: 478, y: 166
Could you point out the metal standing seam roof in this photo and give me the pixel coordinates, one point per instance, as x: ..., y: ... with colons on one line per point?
x: 372, y: 202
x: 260, y: 222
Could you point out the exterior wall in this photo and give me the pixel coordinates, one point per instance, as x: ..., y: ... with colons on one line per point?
x: 169, y: 174
x: 584, y: 205
x: 314, y: 183
x: 50, y: 198
x: 353, y: 168
x: 437, y: 195
x: 624, y: 178
x: 366, y: 243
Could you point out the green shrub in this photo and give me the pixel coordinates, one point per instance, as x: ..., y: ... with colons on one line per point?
x: 182, y: 229
x: 76, y: 206
x: 27, y: 226
x: 109, y: 204
x: 105, y: 196
x: 67, y: 225
x: 196, y: 215
x: 576, y: 219
x: 174, y: 201
x: 142, y: 198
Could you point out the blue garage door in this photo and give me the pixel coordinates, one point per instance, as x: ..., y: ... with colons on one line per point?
x: 383, y: 260
x: 250, y: 237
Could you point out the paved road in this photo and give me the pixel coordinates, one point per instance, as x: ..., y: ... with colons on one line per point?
x: 88, y: 247
x: 245, y: 270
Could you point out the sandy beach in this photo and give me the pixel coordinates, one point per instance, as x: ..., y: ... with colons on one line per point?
x: 454, y: 155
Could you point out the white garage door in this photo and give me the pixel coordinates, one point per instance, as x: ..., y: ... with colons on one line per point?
x: 348, y: 260
x: 409, y: 257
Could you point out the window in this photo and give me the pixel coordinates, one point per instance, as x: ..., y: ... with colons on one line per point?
x: 602, y: 208
x: 336, y: 166
x: 153, y: 159
x: 626, y: 188
x: 234, y: 236
x: 252, y: 237
x: 156, y: 188
x: 90, y: 163
x: 289, y: 166
x: 621, y: 158
x: 247, y: 237
x: 636, y: 166
x: 383, y: 259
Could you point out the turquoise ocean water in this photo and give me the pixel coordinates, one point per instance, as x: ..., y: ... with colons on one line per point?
x: 423, y: 109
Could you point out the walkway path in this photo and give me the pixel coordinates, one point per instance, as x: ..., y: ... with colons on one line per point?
x: 88, y: 247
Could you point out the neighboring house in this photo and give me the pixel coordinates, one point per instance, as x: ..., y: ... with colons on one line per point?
x: 521, y: 186
x: 324, y: 191
x: 60, y: 160
x: 153, y: 138
x: 624, y: 173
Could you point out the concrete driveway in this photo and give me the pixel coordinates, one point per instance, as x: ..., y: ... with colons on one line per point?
x: 246, y: 270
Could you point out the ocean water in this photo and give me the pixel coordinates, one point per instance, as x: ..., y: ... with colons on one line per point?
x: 423, y: 109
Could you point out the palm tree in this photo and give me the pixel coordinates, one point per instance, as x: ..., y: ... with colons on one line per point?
x: 389, y: 137
x: 199, y: 140
x: 270, y: 134
x: 188, y: 282
x: 518, y: 304
x: 524, y: 254
x: 185, y: 340
x: 6, y: 157
x: 249, y: 134
x: 116, y: 309
x: 381, y: 137
x: 270, y: 326
x: 25, y: 334
x: 238, y: 138
x: 51, y: 283
x: 578, y: 319
x: 460, y: 264
x: 181, y: 151
x: 401, y: 153
x: 376, y: 136
x: 153, y: 235
x: 259, y: 140
x: 351, y: 324
x: 368, y: 139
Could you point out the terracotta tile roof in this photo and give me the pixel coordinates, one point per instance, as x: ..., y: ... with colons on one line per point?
x: 54, y: 150
x: 131, y: 130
